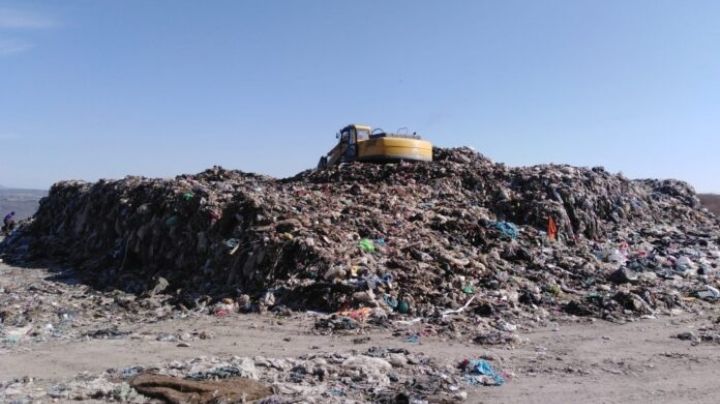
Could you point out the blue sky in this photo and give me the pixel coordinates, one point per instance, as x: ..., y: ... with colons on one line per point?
x: 101, y: 89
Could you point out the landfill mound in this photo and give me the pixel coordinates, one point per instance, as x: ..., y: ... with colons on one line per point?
x: 411, y: 239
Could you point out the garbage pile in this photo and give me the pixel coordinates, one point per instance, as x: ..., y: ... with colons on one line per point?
x: 411, y: 240
x: 381, y: 375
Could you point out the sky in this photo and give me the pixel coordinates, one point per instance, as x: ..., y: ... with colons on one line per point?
x: 104, y: 89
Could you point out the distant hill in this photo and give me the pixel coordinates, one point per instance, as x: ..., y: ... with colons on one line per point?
x: 24, y: 202
x: 711, y: 201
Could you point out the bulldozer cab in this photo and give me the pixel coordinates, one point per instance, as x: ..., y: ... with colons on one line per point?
x: 346, y: 150
x: 349, y: 137
x: 354, y: 133
x: 361, y: 132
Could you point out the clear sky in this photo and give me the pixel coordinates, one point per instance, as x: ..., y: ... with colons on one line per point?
x: 101, y: 89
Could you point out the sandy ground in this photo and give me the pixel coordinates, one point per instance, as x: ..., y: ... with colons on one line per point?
x: 590, y: 362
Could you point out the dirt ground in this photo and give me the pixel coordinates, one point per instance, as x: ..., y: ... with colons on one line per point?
x: 590, y: 362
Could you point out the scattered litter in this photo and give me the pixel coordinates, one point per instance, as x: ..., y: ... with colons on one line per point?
x: 480, y: 371
x: 507, y: 229
x: 710, y: 293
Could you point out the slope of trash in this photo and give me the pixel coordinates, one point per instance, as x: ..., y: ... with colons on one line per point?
x: 403, y: 240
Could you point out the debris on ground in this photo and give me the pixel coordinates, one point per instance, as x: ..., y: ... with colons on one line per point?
x: 377, y: 375
x: 480, y: 371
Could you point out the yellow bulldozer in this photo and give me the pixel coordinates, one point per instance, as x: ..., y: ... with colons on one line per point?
x: 363, y: 143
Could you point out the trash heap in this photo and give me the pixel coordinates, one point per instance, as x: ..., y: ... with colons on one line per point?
x: 406, y: 239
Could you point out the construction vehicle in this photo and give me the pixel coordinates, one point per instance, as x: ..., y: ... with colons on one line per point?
x: 363, y: 143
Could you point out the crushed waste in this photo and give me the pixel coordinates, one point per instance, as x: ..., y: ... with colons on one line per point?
x: 406, y: 241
